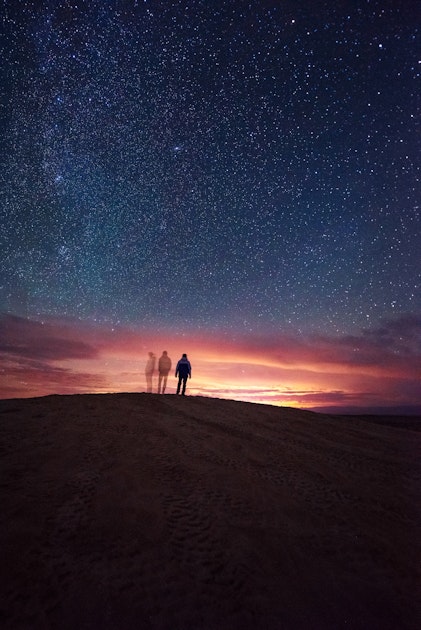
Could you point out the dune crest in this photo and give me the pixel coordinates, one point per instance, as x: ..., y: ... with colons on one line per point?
x: 145, y: 511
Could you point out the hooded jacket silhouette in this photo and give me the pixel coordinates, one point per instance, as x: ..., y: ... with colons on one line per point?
x: 183, y: 371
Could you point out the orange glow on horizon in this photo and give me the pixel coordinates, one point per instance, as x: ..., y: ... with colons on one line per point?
x: 80, y: 358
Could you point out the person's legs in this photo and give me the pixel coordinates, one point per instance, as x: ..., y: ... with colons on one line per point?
x: 164, y: 383
x: 184, y: 385
x: 179, y: 384
x: 159, y: 383
x: 149, y: 383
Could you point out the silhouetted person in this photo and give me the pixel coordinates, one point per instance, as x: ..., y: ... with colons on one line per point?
x: 183, y: 371
x: 149, y: 370
x: 164, y: 366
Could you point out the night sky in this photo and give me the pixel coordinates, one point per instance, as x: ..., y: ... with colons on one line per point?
x: 218, y: 172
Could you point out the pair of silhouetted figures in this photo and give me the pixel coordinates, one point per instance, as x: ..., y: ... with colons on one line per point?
x: 183, y: 371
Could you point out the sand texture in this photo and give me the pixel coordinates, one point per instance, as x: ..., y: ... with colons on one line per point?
x: 186, y: 513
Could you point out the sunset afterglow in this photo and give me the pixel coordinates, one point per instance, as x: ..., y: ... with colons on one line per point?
x: 73, y: 357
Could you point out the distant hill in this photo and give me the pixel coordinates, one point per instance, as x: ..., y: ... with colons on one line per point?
x: 403, y: 410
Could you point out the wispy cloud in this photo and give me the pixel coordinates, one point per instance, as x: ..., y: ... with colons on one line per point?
x: 34, y: 355
x: 20, y: 337
x: 392, y: 348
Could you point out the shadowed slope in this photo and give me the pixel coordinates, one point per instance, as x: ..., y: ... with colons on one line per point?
x: 145, y: 511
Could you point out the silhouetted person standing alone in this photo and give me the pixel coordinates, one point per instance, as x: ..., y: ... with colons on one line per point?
x: 183, y: 371
x: 164, y: 366
x: 149, y: 370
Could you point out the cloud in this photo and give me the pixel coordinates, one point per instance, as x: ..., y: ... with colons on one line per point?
x: 401, y: 333
x: 32, y: 356
x: 336, y: 397
x: 396, y: 343
x: 305, y: 398
x: 26, y: 377
x: 393, y: 348
x: 20, y: 337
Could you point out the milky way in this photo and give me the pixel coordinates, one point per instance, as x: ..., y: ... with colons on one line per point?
x: 242, y: 166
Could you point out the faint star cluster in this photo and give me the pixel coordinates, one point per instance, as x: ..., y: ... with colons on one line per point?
x: 235, y: 165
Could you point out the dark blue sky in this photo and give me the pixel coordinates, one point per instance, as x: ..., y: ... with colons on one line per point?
x: 243, y: 166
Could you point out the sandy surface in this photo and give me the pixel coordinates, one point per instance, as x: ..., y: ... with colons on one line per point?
x: 145, y: 511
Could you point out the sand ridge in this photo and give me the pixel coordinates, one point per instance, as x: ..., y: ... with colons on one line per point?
x: 163, y: 512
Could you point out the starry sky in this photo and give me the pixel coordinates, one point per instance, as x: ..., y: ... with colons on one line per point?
x: 236, y: 180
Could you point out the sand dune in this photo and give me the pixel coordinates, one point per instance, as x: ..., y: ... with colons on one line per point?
x: 145, y: 511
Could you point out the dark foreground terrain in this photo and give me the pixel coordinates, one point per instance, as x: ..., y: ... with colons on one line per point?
x: 138, y: 511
